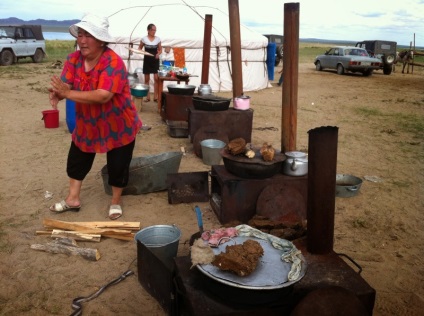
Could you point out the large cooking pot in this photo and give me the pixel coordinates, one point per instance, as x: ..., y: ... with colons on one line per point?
x: 211, y: 103
x: 296, y: 164
x: 347, y: 185
x: 252, y: 168
x: 181, y: 89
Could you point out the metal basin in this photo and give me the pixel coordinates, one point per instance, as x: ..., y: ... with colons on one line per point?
x: 139, y: 90
x: 347, y: 185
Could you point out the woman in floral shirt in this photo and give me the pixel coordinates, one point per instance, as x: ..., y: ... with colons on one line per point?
x: 95, y: 78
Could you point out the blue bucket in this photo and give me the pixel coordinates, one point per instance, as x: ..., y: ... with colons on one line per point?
x: 70, y: 115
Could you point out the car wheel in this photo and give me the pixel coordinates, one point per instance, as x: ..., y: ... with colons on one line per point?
x: 387, y: 69
x: 318, y: 66
x: 38, y: 56
x: 6, y: 58
x: 340, y: 69
x: 390, y: 59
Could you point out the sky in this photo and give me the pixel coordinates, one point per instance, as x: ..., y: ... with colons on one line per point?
x: 400, y: 21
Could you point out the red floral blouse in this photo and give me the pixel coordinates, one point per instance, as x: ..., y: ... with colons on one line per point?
x: 102, y: 127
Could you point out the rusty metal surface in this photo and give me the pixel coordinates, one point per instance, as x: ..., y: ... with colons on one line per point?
x: 322, y: 150
x: 232, y: 123
x: 175, y: 107
x: 188, y: 187
x: 235, y: 199
x: 282, y: 202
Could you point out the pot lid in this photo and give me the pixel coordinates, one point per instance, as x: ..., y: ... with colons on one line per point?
x: 295, y: 154
x: 243, y: 97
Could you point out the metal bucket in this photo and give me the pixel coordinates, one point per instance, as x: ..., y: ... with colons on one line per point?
x: 211, y: 151
x: 161, y: 240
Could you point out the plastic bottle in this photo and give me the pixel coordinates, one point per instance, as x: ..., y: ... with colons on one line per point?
x: 184, y: 70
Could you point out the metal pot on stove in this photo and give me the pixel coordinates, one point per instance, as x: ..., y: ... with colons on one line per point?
x: 296, y: 164
x: 204, y: 89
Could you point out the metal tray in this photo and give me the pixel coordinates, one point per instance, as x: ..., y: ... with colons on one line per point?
x: 271, y: 272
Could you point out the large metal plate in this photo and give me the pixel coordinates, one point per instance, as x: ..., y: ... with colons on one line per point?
x: 271, y: 272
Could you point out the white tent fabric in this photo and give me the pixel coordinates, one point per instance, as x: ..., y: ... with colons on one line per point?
x: 181, y: 25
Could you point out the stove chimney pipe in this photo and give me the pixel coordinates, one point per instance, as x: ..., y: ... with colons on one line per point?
x: 206, y: 49
x: 322, y: 165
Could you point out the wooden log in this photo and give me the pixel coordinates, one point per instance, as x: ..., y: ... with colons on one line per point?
x: 57, y: 247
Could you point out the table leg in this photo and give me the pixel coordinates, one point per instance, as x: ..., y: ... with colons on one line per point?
x: 160, y: 89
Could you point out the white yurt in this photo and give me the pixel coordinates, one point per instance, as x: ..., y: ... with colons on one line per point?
x: 182, y: 25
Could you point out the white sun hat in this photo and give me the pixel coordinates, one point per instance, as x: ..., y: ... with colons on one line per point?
x: 96, y: 25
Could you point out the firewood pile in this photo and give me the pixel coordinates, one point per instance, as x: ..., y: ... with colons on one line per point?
x: 67, y: 234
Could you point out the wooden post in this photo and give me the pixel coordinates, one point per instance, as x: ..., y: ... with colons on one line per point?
x: 206, y: 49
x: 290, y: 83
x: 235, y: 42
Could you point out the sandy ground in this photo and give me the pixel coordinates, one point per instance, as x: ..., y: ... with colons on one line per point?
x: 380, y: 135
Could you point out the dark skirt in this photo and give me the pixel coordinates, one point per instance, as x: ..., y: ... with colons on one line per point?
x: 150, y: 65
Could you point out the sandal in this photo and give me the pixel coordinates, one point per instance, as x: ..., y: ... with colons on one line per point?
x: 62, y: 206
x: 147, y: 100
x: 156, y: 100
x: 115, y: 211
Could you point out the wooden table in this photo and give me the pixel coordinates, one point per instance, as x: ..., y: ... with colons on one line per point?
x: 160, y: 87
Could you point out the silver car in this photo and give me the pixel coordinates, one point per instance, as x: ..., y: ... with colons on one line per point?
x: 347, y: 58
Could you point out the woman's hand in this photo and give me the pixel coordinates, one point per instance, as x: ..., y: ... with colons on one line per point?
x: 59, y: 89
x: 53, y: 98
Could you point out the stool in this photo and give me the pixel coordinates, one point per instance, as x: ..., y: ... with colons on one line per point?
x: 138, y: 102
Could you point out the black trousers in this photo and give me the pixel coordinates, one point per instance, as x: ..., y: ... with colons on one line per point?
x: 118, y: 164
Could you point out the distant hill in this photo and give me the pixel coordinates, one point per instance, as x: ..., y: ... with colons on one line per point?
x: 14, y: 21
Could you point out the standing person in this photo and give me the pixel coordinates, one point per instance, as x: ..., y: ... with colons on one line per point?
x: 280, y: 81
x: 152, y: 45
x: 95, y: 78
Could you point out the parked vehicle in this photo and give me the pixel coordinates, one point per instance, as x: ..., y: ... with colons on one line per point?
x: 279, y: 43
x: 21, y: 41
x: 385, y: 50
x: 347, y: 59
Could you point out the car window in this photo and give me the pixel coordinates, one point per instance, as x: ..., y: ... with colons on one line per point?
x: 336, y: 51
x: 19, y: 33
x: 28, y: 33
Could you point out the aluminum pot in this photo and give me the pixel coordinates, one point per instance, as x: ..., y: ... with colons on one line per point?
x: 242, y: 102
x: 296, y: 164
x: 204, y: 89
x: 347, y: 185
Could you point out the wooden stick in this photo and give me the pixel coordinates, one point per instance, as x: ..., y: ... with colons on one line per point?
x: 56, y: 233
x: 81, y: 228
x: 110, y: 224
x: 57, y: 247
